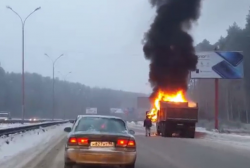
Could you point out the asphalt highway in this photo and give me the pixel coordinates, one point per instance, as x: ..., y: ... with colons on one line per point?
x: 158, y: 152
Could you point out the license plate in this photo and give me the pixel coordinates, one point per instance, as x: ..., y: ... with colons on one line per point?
x: 102, y: 144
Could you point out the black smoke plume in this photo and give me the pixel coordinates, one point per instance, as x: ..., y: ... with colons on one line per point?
x: 168, y: 45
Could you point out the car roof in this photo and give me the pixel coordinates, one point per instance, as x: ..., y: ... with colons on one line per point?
x: 100, y: 116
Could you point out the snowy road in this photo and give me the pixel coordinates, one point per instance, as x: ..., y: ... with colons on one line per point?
x: 207, y: 150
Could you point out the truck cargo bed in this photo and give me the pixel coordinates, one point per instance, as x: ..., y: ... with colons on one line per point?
x: 180, y: 114
x: 177, y: 117
x: 180, y: 111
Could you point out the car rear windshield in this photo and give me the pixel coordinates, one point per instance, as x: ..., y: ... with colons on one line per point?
x: 101, y: 124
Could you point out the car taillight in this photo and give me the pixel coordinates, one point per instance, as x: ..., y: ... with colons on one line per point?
x: 131, y: 143
x: 82, y: 141
x: 125, y: 143
x: 72, y: 140
x: 78, y: 141
x: 122, y: 142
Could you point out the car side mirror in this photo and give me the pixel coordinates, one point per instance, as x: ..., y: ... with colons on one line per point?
x: 132, y: 132
x: 67, y: 129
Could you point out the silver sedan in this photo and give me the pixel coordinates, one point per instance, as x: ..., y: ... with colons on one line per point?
x: 100, y: 140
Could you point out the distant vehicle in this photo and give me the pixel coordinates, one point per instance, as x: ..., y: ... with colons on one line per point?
x: 100, y: 140
x: 33, y: 119
x: 5, y: 115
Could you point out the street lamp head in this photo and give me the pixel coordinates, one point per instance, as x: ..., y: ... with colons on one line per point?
x: 38, y: 8
x: 8, y: 7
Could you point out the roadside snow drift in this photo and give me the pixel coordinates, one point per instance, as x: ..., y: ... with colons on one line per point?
x: 16, y: 143
x: 13, y: 125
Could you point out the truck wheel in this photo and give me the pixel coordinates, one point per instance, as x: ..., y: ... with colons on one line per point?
x: 167, y: 132
x: 158, y: 132
x: 68, y: 165
x: 163, y: 134
x: 158, y: 129
x: 189, y: 133
x: 183, y: 133
x: 163, y: 130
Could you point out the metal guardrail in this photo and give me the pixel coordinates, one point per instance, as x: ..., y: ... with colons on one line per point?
x: 19, y: 121
x: 26, y: 121
x: 72, y: 120
x: 8, y: 131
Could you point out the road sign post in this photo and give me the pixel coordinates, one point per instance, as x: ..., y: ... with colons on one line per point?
x: 91, y: 110
x: 216, y: 104
x: 218, y: 65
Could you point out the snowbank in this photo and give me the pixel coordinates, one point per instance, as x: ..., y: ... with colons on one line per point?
x: 17, y: 143
x: 13, y: 125
x: 237, y: 140
x: 226, y: 126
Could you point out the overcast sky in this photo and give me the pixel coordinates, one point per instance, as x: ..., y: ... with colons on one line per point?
x: 100, y: 39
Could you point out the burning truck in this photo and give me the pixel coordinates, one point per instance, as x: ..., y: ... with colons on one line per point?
x: 169, y: 48
x: 174, y: 114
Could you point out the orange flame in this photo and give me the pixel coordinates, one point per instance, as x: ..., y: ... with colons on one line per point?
x: 174, y: 97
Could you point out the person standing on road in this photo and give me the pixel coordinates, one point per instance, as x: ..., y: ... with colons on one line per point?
x: 147, y: 125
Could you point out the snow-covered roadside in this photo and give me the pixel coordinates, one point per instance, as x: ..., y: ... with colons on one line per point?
x: 240, y: 140
x: 15, y: 144
x: 13, y: 125
x: 136, y: 124
x: 215, y: 133
x: 237, y: 132
x: 237, y: 140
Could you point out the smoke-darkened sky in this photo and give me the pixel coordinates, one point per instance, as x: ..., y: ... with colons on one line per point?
x: 169, y: 47
x: 101, y: 40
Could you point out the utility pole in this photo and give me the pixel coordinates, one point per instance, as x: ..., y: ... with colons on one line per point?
x: 53, y: 81
x: 23, y: 21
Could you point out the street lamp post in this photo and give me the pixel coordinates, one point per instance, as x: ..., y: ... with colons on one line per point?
x: 23, y: 21
x: 64, y: 79
x: 53, y: 81
x: 65, y: 75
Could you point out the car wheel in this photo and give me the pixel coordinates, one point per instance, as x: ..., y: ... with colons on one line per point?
x: 68, y: 165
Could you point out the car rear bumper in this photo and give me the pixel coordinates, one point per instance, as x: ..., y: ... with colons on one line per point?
x: 86, y: 156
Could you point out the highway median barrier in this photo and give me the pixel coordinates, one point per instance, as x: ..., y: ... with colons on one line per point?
x: 14, y: 130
